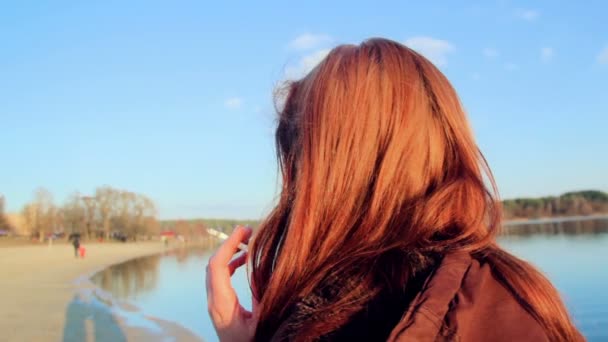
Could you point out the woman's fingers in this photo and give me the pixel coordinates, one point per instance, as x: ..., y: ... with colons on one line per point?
x: 231, y: 246
x: 232, y: 322
x: 220, y: 268
x: 237, y: 262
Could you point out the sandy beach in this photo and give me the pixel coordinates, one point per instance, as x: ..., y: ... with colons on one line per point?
x: 40, y: 290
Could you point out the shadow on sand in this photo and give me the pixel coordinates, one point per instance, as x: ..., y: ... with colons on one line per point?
x: 104, y: 325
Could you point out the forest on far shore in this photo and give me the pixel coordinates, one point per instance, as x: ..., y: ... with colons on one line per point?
x: 576, y: 203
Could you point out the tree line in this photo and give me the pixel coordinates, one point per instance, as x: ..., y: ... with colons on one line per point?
x: 108, y: 213
x: 569, y: 204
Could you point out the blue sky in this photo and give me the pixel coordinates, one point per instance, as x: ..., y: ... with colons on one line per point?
x: 174, y: 98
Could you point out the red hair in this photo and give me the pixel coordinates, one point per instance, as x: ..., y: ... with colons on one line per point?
x: 377, y: 159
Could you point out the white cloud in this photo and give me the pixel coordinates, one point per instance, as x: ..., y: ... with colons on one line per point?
x: 309, y: 41
x: 547, y: 54
x: 528, y: 14
x: 233, y: 103
x: 511, y: 67
x: 311, y: 61
x: 490, y: 53
x: 306, y: 64
x: 436, y: 50
x: 602, y: 58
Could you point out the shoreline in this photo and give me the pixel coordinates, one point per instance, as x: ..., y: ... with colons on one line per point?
x: 556, y: 219
x: 47, y: 295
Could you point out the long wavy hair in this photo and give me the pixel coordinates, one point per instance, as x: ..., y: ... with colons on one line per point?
x: 377, y: 159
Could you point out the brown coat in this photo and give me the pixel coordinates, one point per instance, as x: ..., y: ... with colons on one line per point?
x: 457, y: 299
x: 462, y: 301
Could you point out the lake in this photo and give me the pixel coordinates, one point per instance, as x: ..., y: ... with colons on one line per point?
x: 573, y: 254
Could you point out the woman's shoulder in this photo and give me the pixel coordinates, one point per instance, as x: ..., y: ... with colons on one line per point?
x: 464, y: 300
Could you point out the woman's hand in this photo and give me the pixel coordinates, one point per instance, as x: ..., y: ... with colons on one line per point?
x: 230, y: 319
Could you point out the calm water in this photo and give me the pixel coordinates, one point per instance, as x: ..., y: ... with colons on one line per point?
x: 574, y: 255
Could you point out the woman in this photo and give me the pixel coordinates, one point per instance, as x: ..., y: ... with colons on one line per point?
x: 385, y: 228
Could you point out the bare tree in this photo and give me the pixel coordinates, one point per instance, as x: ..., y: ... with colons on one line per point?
x: 151, y: 225
x: 4, y: 225
x: 30, y: 218
x: 143, y: 208
x: 90, y: 205
x: 40, y: 216
x: 74, y: 213
x: 122, y: 211
x: 125, y: 220
x: 45, y: 211
x: 106, y: 198
x: 182, y: 227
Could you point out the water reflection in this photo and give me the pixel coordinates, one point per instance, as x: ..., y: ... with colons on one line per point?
x: 131, y: 278
x: 181, y: 255
x: 558, y: 227
x: 140, y: 276
x: 176, y: 292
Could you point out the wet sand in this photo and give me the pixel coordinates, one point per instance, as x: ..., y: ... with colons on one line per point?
x: 40, y: 295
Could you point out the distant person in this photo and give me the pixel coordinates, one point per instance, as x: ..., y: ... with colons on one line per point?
x: 386, y: 225
x: 76, y: 244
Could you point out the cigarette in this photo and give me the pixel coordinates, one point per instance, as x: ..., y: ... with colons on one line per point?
x: 223, y: 237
